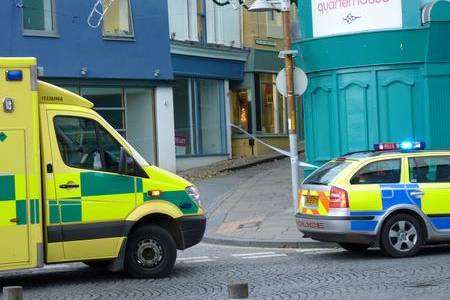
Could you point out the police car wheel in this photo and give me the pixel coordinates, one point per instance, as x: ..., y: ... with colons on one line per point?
x: 401, y: 236
x: 151, y: 252
x: 354, y: 247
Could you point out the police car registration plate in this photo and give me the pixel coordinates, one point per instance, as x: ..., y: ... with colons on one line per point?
x: 311, y: 201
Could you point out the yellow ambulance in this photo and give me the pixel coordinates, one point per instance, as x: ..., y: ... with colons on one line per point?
x: 396, y: 197
x: 72, y: 189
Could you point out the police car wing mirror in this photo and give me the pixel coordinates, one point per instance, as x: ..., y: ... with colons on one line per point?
x: 123, y: 161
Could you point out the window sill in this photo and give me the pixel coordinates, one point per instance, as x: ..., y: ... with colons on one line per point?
x: 119, y: 38
x: 38, y: 33
x: 201, y: 155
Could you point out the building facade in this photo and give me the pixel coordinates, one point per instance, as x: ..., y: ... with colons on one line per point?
x: 123, y: 66
x: 379, y: 71
x: 207, y: 59
x: 257, y: 107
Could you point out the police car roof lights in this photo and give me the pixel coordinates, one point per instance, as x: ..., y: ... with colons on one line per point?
x: 407, y: 145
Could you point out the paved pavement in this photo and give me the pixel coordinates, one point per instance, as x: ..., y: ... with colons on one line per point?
x: 252, y: 207
x: 204, y: 271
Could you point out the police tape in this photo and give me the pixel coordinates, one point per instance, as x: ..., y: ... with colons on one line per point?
x: 281, y: 151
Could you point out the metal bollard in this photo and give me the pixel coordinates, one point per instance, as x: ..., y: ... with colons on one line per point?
x: 12, y: 293
x: 237, y: 291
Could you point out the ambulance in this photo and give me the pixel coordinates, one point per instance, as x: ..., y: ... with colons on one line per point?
x: 73, y: 190
x: 396, y: 197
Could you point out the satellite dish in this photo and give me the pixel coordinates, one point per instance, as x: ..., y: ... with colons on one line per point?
x: 300, y: 82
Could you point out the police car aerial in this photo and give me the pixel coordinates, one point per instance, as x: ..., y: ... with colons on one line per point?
x: 396, y: 197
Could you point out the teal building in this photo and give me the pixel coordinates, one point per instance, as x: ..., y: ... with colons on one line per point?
x: 378, y: 70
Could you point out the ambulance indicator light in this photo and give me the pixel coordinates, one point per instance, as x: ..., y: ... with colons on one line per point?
x: 407, y: 145
x: 14, y: 75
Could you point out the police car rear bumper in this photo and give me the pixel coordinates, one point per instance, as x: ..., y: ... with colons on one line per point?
x: 333, y: 229
x: 192, y: 229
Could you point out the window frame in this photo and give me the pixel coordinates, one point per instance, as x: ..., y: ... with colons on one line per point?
x: 400, y: 180
x: 130, y: 37
x: 138, y: 173
x: 426, y: 156
x: 42, y: 33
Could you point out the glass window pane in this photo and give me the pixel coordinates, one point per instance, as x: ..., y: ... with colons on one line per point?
x: 38, y: 15
x: 78, y: 143
x: 117, y: 22
x: 385, y: 171
x: 327, y: 173
x: 108, y: 102
x: 111, y: 150
x: 273, y: 110
x: 183, y: 106
x: 211, y: 120
x: 429, y: 169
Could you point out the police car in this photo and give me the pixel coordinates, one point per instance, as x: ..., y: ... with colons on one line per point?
x: 396, y: 197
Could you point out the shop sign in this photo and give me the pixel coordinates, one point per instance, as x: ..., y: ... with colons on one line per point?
x: 334, y: 17
x: 180, y: 144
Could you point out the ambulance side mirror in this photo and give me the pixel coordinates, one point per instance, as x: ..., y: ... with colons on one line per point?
x: 123, y: 161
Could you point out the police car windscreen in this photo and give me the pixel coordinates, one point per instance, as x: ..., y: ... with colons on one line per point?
x: 326, y: 173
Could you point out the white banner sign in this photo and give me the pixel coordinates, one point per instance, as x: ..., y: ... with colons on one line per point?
x: 332, y: 17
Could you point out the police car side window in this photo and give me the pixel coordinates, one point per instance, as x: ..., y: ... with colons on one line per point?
x: 429, y: 169
x: 379, y: 172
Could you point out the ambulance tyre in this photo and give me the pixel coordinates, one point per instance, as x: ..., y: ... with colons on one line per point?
x: 354, y: 247
x: 151, y: 252
x: 401, y: 236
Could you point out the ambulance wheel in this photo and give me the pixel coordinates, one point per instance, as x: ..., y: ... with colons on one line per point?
x: 354, y: 247
x: 151, y: 252
x: 401, y: 236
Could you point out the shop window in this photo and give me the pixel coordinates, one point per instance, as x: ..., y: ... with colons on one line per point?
x: 118, y: 20
x: 199, y: 117
x: 38, y: 16
x: 240, y: 110
x: 109, y: 103
x: 272, y: 106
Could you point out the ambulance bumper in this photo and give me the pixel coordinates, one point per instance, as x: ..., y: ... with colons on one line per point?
x: 192, y: 229
x: 333, y: 229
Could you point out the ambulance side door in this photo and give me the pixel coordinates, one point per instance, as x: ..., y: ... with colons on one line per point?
x: 93, y: 199
x: 432, y: 174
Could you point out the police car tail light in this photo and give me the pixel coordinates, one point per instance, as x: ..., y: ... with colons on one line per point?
x: 338, y: 198
x: 407, y: 145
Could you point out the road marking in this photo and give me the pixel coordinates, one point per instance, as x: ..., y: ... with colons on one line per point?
x: 192, y: 258
x: 198, y: 261
x: 251, y: 254
x: 263, y: 256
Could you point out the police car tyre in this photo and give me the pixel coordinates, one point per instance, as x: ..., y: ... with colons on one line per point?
x: 151, y: 252
x: 354, y: 247
x: 401, y: 236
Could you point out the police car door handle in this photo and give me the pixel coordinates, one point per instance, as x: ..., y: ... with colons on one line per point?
x: 69, y: 185
x: 417, y: 194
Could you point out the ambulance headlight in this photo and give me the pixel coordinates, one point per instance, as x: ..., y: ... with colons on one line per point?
x: 193, y: 192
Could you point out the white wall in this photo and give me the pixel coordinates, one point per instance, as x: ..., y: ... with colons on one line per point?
x: 165, y: 130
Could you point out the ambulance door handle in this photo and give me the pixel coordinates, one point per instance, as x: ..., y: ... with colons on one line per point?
x: 417, y: 194
x: 69, y: 185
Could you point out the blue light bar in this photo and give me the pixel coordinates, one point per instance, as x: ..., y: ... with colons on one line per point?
x: 14, y: 75
x: 406, y: 145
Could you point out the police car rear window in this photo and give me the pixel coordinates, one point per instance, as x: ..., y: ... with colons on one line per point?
x: 327, y: 172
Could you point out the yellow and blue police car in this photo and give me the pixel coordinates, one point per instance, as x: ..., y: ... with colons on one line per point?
x: 396, y: 197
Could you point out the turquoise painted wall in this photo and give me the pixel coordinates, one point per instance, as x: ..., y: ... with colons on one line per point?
x: 377, y: 86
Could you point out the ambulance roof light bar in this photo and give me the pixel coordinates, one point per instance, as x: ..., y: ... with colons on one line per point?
x: 406, y: 146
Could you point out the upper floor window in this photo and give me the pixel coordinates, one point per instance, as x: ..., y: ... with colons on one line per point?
x: 39, y: 16
x: 118, y: 20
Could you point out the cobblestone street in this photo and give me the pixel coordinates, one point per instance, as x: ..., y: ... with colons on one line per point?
x: 204, y: 271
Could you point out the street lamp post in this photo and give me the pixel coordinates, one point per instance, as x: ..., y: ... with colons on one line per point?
x: 288, y: 54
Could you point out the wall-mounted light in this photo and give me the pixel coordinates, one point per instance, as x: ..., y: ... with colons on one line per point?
x: 84, y: 71
x: 157, y: 73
